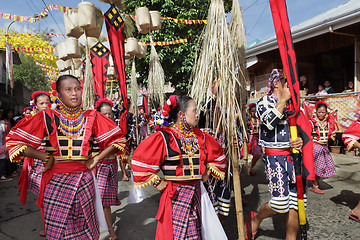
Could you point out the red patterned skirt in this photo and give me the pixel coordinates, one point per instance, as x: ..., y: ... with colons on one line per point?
x: 69, y: 207
x: 186, y: 208
x: 34, y: 176
x: 254, y: 148
x: 324, y: 164
x: 107, y: 179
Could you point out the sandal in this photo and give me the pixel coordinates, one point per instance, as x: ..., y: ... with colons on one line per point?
x: 248, y: 230
x: 252, y: 172
x: 316, y: 189
x: 42, y: 233
x: 352, y: 216
x: 112, y: 237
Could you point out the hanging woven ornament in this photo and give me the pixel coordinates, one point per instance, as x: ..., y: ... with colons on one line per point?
x: 156, y: 79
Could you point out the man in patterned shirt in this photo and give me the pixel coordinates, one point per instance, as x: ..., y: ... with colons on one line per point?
x: 274, y: 135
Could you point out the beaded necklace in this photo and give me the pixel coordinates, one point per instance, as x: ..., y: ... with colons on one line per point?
x: 189, y: 143
x: 71, y: 119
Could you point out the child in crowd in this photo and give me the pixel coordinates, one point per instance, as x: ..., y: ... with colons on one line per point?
x: 322, y: 90
x: 323, y: 129
x: 253, y: 128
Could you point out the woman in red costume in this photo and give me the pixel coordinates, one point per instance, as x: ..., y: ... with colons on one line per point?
x: 68, y: 190
x: 351, y: 138
x: 253, y: 127
x: 30, y: 177
x: 323, y: 129
x: 107, y: 173
x: 186, y: 156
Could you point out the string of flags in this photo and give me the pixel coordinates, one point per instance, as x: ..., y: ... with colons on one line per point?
x: 27, y: 49
x: 35, y: 35
x: 34, y: 19
x: 42, y: 56
x: 46, y: 66
x: 65, y: 9
x: 176, y: 20
x: 165, y: 43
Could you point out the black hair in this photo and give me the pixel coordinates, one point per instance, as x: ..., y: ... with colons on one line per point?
x: 101, y: 105
x: 322, y: 85
x: 320, y: 105
x: 182, y: 103
x: 39, y: 95
x: 63, y: 77
x: 251, y: 107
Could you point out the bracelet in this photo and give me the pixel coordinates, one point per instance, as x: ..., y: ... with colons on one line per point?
x: 282, y: 103
x: 48, y: 157
x: 157, y: 182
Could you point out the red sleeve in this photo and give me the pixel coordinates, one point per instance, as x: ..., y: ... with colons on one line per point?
x: 29, y: 133
x: 215, y: 159
x: 351, y: 135
x: 147, y: 158
x: 107, y: 133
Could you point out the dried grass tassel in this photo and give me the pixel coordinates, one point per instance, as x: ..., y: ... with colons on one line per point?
x: 156, y: 79
x: 134, y: 87
x: 88, y: 92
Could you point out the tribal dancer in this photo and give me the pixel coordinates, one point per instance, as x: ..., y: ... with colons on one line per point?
x: 253, y: 127
x: 275, y: 137
x: 323, y: 129
x: 30, y: 177
x: 351, y: 138
x: 67, y: 190
x: 107, y: 173
x: 185, y: 155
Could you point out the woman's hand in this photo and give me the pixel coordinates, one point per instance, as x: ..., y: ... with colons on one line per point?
x: 49, y: 164
x: 92, y: 162
x: 206, y: 175
x: 297, y: 144
x: 161, y: 187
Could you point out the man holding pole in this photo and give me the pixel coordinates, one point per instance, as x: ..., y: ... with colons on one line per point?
x: 274, y: 136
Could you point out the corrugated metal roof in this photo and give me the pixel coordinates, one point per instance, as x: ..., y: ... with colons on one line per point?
x: 343, y: 15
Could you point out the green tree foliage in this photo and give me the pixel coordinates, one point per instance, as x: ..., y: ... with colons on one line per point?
x: 30, y: 75
x: 177, y: 60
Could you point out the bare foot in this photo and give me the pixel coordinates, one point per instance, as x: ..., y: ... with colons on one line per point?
x: 125, y: 178
x: 355, y: 212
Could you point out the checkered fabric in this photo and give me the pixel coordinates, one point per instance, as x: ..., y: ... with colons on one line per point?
x: 255, y: 148
x: 187, y: 212
x: 324, y: 163
x: 107, y: 179
x: 34, y: 176
x: 69, y: 207
x: 280, y: 174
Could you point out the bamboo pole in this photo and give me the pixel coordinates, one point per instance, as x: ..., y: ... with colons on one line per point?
x: 238, y: 197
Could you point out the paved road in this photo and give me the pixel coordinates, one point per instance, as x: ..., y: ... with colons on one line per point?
x: 327, y: 214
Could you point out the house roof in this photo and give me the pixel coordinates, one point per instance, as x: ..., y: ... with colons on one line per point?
x: 336, y: 18
x: 16, y: 58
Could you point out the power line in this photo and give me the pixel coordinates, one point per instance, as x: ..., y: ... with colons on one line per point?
x: 258, y: 18
x: 53, y: 18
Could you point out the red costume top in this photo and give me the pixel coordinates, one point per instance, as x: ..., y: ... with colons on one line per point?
x: 46, y: 124
x: 322, y: 130
x: 351, y: 135
x: 162, y: 151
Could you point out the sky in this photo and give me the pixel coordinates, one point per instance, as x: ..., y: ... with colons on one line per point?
x: 256, y: 14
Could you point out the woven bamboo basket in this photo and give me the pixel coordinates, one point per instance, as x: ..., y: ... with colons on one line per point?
x: 132, y: 46
x: 142, y: 47
x: 61, y: 49
x: 71, y: 20
x: 72, y: 48
x: 155, y: 20
x: 87, y: 15
x: 95, y: 32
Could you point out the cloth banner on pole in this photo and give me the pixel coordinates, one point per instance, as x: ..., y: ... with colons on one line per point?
x: 99, y: 55
x: 9, y: 65
x: 115, y: 28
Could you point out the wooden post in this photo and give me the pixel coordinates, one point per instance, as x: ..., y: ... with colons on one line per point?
x: 238, y: 197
